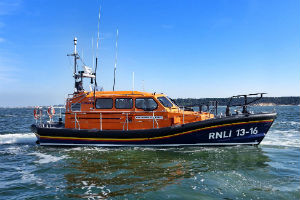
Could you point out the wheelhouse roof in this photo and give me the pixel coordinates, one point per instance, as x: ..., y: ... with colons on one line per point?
x: 119, y: 93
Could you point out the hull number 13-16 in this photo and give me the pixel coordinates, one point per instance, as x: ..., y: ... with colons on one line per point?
x: 228, y: 134
x: 242, y: 131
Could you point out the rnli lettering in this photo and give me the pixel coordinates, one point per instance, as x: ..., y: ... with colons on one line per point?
x: 219, y: 135
x: 148, y: 117
x: 228, y: 134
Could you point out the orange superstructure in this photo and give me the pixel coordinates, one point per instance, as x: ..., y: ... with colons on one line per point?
x: 126, y: 110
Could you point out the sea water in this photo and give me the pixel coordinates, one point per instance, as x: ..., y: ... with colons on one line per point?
x: 268, y: 171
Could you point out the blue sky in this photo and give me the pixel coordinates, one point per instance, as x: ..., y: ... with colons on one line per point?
x: 200, y: 48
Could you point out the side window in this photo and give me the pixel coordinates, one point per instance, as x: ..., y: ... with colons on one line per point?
x: 147, y: 104
x: 165, y: 102
x: 124, y: 103
x: 104, y: 103
x: 76, y: 107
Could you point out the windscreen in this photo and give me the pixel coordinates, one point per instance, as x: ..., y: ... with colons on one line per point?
x: 165, y: 102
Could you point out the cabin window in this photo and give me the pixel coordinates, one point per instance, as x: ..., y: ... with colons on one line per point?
x: 147, y: 104
x: 76, y: 106
x: 165, y: 102
x: 104, y: 103
x: 124, y: 103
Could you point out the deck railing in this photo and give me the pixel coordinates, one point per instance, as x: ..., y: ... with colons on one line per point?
x: 126, y: 122
x: 125, y: 113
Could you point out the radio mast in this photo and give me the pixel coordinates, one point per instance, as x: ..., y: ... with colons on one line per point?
x: 116, y: 58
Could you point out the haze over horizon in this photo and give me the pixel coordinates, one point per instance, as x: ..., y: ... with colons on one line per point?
x: 186, y: 49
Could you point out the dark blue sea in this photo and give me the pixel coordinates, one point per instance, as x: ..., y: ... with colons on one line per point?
x: 268, y: 171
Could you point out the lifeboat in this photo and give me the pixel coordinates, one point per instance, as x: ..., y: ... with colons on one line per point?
x: 134, y: 118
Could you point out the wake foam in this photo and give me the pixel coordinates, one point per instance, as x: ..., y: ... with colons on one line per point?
x: 46, y: 158
x: 18, y: 138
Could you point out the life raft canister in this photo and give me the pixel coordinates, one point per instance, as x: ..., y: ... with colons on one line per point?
x: 37, y: 112
x: 51, y: 111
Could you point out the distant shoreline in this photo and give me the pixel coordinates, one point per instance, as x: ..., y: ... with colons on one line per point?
x: 265, y: 101
x: 266, y: 104
x: 258, y: 105
x: 190, y: 102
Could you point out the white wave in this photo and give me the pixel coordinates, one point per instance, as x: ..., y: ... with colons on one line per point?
x: 287, y: 122
x: 288, y: 138
x: 45, y: 158
x: 14, y: 150
x: 294, y: 123
x: 89, y: 148
x: 287, y: 133
x: 284, y: 143
x: 18, y: 138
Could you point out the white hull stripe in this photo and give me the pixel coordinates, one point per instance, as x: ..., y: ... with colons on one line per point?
x: 150, y: 145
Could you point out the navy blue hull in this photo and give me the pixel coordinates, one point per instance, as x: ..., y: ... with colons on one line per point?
x: 235, y: 130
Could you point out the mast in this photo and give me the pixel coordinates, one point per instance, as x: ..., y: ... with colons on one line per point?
x: 75, y: 57
x: 79, y: 75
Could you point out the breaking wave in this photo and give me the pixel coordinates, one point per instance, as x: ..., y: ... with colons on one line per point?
x: 18, y: 138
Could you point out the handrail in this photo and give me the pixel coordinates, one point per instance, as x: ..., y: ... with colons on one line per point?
x: 245, y: 104
x: 245, y: 99
x: 77, y: 96
x: 77, y: 122
x: 68, y: 100
x: 211, y: 107
x: 183, y: 115
x: 154, y: 119
x: 112, y: 111
x: 126, y: 121
x: 101, y: 121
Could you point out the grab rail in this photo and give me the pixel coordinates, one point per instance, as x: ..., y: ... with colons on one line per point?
x: 154, y: 119
x: 68, y: 101
x: 126, y: 121
x: 76, y: 120
x: 183, y: 115
x: 149, y: 114
x: 101, y: 121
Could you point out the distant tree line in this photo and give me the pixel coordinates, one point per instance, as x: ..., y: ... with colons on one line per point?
x: 224, y: 101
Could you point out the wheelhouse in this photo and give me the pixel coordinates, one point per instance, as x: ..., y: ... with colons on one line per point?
x: 125, y: 110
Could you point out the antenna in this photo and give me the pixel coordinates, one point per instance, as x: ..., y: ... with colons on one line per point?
x: 96, y: 73
x: 95, y: 83
x: 132, y: 82
x: 115, y: 68
x: 96, y: 53
x: 98, y: 26
x: 93, y: 53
